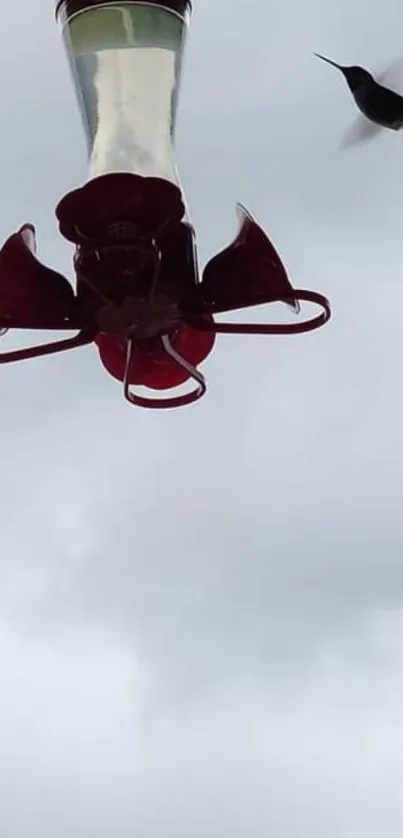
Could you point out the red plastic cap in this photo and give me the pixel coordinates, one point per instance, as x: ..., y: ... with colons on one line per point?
x: 146, y: 201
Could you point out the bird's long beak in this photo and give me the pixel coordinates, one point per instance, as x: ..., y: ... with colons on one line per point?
x: 328, y: 61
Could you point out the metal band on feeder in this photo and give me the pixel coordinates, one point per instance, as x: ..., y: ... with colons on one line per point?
x: 67, y: 8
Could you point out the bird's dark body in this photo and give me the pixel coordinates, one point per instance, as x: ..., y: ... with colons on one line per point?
x: 380, y: 105
x: 377, y: 103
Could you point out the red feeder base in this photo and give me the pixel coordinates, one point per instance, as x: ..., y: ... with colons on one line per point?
x: 159, y: 364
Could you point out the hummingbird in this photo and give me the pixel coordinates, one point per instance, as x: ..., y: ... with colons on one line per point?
x: 381, y: 105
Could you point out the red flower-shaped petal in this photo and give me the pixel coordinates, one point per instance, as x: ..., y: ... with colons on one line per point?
x: 147, y: 202
x: 247, y: 273
x: 32, y: 296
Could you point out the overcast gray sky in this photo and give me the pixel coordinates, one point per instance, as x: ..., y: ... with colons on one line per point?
x: 201, y: 612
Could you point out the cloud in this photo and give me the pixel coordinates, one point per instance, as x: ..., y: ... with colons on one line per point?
x: 315, y: 750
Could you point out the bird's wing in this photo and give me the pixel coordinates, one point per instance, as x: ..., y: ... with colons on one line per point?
x: 392, y: 76
x: 359, y: 132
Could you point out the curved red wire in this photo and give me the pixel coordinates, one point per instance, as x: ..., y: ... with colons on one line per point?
x: 171, y: 401
x: 81, y: 339
x: 275, y: 328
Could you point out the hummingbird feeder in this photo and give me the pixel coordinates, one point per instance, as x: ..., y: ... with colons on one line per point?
x: 138, y: 295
